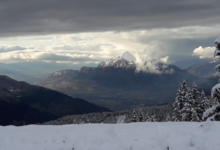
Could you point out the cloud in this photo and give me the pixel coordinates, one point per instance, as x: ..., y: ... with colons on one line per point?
x: 74, y: 16
x: 23, y: 54
x: 164, y: 59
x: 206, y: 52
x: 152, y: 66
x: 11, y: 48
x: 98, y: 46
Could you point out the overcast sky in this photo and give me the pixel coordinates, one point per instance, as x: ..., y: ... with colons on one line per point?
x: 85, y: 32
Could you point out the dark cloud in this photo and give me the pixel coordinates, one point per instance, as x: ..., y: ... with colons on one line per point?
x: 55, y: 16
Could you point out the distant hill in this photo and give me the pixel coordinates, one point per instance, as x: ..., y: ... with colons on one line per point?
x: 22, y: 103
x: 208, y: 71
x: 117, y: 84
x: 189, y: 62
x: 31, y: 72
x: 203, y: 70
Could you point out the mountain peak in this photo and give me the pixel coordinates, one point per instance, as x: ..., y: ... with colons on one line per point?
x: 128, y: 56
x: 125, y: 60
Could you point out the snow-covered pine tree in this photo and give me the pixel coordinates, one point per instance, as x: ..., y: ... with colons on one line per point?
x: 196, y: 94
x: 213, y: 113
x: 168, y: 118
x: 152, y: 118
x: 140, y: 116
x: 179, y: 102
x: 135, y: 117
x: 188, y: 112
x: 177, y: 105
x: 205, y: 102
x: 197, y: 111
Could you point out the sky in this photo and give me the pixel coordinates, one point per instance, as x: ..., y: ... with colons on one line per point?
x: 85, y: 32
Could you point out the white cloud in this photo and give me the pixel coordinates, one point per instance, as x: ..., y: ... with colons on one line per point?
x: 206, y: 52
x: 152, y: 66
x: 164, y: 59
x: 98, y: 46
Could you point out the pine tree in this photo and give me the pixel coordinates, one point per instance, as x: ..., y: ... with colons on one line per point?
x: 187, y: 110
x: 179, y: 103
x: 135, y: 117
x: 214, y: 112
x: 168, y: 118
x: 205, y: 102
x: 197, y: 111
x: 140, y: 116
x: 153, y: 118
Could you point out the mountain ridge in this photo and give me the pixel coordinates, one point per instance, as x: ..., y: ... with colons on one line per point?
x: 120, y: 87
x: 38, y: 102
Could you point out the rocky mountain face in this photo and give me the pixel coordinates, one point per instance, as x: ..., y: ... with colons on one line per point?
x: 22, y: 103
x: 118, y: 85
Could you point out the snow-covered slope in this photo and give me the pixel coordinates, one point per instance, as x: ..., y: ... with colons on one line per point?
x: 133, y: 136
x: 125, y: 60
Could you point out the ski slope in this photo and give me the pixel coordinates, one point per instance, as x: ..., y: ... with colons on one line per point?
x: 133, y: 136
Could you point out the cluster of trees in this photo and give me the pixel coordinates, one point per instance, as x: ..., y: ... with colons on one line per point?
x: 190, y: 104
x: 149, y: 114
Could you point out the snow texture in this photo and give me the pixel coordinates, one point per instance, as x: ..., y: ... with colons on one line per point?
x: 217, y: 52
x: 133, y: 136
x: 209, y: 111
x: 217, y: 86
x: 217, y: 67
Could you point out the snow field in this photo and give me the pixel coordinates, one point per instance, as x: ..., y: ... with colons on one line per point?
x: 132, y: 136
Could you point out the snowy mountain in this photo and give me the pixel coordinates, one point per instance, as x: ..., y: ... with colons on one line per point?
x: 128, y: 61
x: 125, y: 60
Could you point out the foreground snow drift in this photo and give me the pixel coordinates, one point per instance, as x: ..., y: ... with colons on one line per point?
x: 133, y: 136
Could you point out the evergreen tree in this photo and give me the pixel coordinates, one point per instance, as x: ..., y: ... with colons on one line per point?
x: 179, y: 103
x: 140, y: 116
x: 197, y: 111
x: 214, y: 112
x: 205, y: 102
x: 135, y: 117
x: 168, y: 118
x: 153, y: 118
